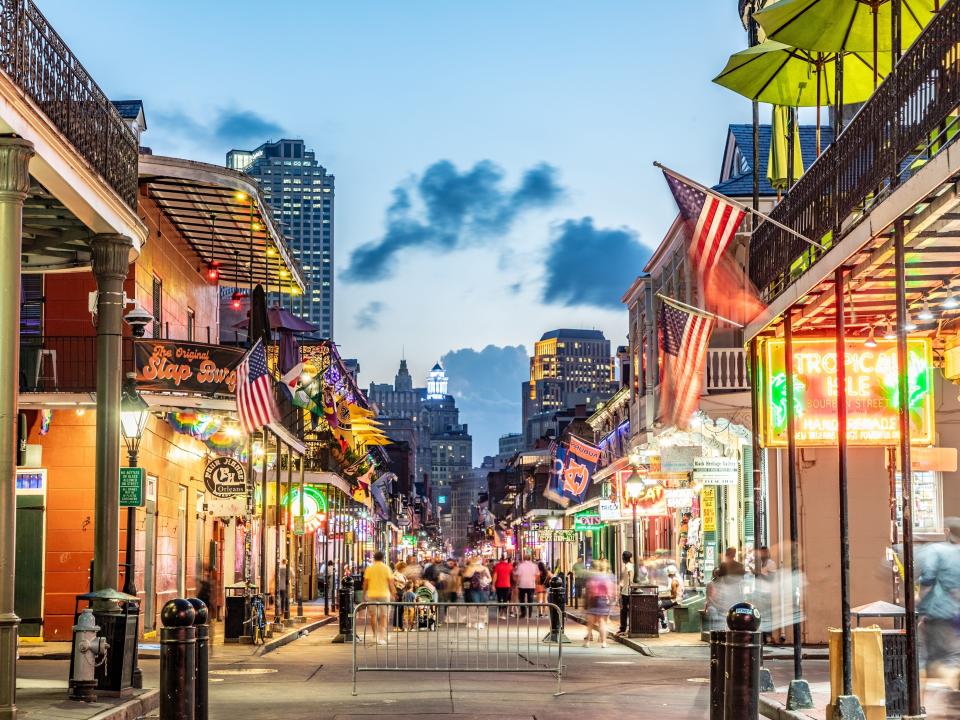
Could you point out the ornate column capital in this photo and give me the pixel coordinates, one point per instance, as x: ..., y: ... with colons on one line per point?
x: 15, y: 154
x: 110, y: 255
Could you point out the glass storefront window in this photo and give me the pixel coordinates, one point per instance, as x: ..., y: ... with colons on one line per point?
x: 927, y: 506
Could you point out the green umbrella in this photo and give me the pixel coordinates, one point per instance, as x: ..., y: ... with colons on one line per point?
x: 777, y: 165
x: 775, y: 73
x: 843, y: 25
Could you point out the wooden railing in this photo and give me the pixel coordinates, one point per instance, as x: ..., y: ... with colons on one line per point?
x: 727, y: 370
x: 909, y: 119
x: 37, y: 59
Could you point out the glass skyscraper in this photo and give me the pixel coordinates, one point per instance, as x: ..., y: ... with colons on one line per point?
x: 300, y: 193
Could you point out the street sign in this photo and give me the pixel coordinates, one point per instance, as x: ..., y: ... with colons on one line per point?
x: 131, y: 487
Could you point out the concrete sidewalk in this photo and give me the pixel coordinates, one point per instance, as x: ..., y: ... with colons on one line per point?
x: 668, y: 643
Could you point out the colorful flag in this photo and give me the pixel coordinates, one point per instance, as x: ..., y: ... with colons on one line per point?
x: 255, y: 405
x: 573, y: 466
x: 714, y: 221
x: 684, y: 337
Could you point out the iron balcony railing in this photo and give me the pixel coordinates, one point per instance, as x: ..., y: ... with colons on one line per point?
x: 727, y: 370
x: 909, y: 119
x: 37, y: 59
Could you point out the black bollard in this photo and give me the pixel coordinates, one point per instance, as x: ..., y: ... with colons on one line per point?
x: 742, y: 663
x: 201, y: 624
x: 178, y: 661
x: 557, y: 596
x: 718, y: 650
x: 346, y: 611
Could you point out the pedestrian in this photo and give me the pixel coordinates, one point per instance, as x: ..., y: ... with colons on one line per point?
x: 579, y: 579
x: 399, y: 585
x: 502, y: 582
x: 765, y: 581
x: 527, y: 574
x: 283, y: 586
x: 412, y: 569
x: 598, y: 594
x: 476, y: 583
x: 939, y: 606
x: 731, y: 567
x: 624, y: 580
x: 378, y: 588
x: 674, y: 595
x: 543, y: 577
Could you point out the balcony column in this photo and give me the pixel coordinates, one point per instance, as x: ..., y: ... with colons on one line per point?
x: 15, y: 154
x: 110, y: 258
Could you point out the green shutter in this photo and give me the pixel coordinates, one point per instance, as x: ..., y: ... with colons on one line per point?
x: 746, y: 492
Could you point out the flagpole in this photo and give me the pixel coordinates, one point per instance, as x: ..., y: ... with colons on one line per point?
x: 741, y: 206
x: 684, y: 306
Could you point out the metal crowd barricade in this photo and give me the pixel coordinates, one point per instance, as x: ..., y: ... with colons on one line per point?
x: 459, y: 637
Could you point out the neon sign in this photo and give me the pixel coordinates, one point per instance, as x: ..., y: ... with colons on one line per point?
x: 587, y: 521
x: 872, y: 392
x: 314, y: 508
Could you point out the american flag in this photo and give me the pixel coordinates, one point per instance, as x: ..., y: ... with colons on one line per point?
x: 714, y: 220
x: 684, y: 335
x: 255, y: 404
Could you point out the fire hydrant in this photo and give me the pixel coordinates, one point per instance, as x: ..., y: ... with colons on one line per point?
x: 89, y: 651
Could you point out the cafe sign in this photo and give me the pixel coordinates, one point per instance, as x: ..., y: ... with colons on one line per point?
x: 179, y: 366
x: 225, y: 477
x: 872, y: 392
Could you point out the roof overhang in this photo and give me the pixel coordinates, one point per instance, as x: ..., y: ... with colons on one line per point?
x: 225, y: 220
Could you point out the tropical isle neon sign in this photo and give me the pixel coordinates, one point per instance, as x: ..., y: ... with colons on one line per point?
x: 314, y: 508
x: 872, y: 392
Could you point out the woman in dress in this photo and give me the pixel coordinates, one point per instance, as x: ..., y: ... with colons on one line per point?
x: 599, y: 594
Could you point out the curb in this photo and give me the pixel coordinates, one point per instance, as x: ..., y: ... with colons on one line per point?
x: 629, y: 642
x: 291, y: 636
x: 775, y: 710
x: 132, y: 709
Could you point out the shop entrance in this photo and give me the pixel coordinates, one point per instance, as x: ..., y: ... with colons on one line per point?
x: 28, y: 585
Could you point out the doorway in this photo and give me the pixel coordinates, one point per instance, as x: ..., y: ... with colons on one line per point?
x: 150, y: 557
x: 28, y: 583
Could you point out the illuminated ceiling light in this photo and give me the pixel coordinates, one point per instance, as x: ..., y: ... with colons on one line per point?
x: 925, y: 313
x: 889, y: 334
x: 241, y: 196
x: 236, y: 300
x: 951, y: 301
x: 284, y: 273
x: 271, y: 250
x: 909, y: 324
x: 213, y: 271
x: 871, y: 341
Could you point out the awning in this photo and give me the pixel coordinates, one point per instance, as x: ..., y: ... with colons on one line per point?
x: 225, y: 220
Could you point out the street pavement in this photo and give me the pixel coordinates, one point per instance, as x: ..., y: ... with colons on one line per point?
x: 311, y: 678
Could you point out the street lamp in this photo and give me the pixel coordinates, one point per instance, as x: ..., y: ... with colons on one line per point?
x: 133, y: 419
x: 633, y: 489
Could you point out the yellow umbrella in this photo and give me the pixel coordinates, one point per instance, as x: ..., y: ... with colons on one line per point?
x: 777, y: 160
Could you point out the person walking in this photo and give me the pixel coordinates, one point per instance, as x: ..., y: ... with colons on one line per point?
x: 598, y: 594
x: 283, y: 588
x: 624, y: 580
x: 378, y: 587
x: 765, y: 579
x: 579, y: 580
x: 476, y: 584
x: 527, y: 574
x: 543, y: 577
x: 939, y: 606
x: 502, y: 583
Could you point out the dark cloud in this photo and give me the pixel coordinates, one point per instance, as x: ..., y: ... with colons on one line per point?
x: 486, y: 384
x: 368, y: 317
x: 458, y: 208
x: 230, y: 128
x: 593, y: 266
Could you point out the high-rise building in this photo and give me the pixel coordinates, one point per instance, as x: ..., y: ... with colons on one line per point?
x: 300, y: 193
x: 568, y: 368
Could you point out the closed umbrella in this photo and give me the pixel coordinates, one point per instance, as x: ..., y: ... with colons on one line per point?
x: 779, y: 74
x: 778, y: 170
x: 844, y: 25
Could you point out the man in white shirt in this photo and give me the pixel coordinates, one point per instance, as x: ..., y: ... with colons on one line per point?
x: 526, y: 574
x: 625, y: 579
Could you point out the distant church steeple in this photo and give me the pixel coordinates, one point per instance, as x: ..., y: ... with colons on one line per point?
x: 437, y: 383
x: 403, y: 381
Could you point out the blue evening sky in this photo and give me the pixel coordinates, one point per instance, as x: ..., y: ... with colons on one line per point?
x: 549, y: 114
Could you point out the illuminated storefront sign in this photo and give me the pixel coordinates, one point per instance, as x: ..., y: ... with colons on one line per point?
x: 872, y: 394
x: 314, y: 508
x: 587, y: 521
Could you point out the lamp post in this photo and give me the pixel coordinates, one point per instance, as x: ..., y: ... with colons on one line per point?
x: 134, y: 412
x: 633, y: 489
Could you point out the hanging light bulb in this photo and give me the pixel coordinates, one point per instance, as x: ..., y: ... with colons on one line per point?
x: 909, y: 325
x: 951, y: 301
x: 889, y: 334
x: 925, y: 313
x: 235, y: 301
x: 871, y: 341
x: 213, y: 271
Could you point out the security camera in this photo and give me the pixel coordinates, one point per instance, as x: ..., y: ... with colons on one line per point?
x: 138, y: 319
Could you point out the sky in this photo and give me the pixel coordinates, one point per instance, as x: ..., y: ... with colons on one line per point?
x: 493, y: 159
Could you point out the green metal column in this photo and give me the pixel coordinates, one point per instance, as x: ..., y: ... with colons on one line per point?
x: 15, y: 154
x: 110, y: 258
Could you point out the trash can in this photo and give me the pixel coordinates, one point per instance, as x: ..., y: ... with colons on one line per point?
x: 644, y: 611
x: 236, y: 610
x: 118, y: 617
x: 686, y: 613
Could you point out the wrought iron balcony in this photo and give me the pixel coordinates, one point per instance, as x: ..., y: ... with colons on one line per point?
x: 908, y: 120
x: 39, y: 62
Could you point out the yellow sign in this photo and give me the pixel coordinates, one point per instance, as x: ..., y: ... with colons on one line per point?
x: 708, y: 508
x: 872, y: 392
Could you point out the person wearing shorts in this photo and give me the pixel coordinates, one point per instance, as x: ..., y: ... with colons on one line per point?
x: 378, y: 587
